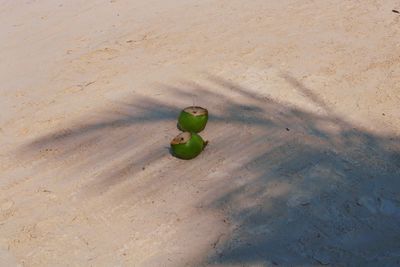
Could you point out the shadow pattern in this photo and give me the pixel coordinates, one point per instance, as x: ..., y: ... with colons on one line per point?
x: 296, y: 188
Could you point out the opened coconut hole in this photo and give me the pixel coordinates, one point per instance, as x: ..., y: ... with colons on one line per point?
x: 181, y: 138
x: 196, y: 111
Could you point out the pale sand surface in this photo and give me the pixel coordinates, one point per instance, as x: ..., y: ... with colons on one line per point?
x: 303, y: 165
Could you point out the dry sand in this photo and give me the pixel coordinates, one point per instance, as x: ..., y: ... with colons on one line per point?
x: 303, y: 164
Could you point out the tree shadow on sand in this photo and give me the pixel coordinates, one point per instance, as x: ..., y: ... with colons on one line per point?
x: 324, y: 193
x: 296, y: 188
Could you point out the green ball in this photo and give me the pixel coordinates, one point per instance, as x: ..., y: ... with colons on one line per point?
x: 187, y: 145
x: 193, y: 119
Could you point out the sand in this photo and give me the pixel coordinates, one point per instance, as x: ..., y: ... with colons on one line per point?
x: 303, y: 164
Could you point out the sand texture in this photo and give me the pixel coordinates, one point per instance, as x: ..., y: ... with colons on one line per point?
x: 303, y: 162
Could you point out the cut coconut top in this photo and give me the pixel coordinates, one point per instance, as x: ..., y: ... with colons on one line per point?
x: 196, y: 111
x: 181, y: 138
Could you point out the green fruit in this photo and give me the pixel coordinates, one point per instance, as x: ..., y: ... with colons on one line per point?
x: 193, y: 119
x: 187, y: 145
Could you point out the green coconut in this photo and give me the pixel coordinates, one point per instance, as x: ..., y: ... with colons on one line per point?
x: 187, y: 145
x: 193, y: 119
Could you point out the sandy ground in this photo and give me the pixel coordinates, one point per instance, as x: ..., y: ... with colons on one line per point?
x: 303, y: 164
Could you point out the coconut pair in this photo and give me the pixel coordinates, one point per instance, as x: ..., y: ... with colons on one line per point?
x: 189, y: 144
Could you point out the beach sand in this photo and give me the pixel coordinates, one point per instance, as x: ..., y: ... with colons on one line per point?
x: 303, y: 164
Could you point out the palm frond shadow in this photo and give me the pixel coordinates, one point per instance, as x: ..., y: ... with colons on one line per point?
x: 297, y: 188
